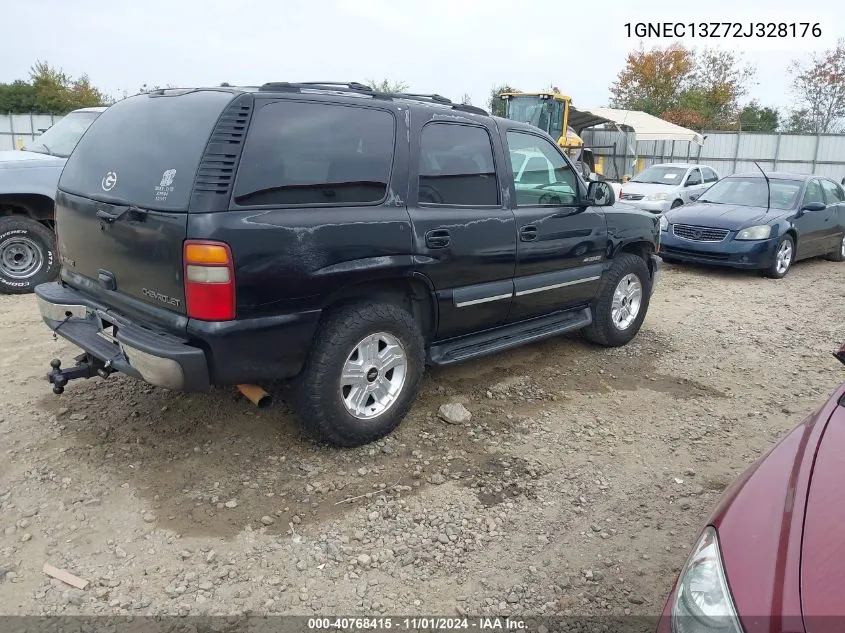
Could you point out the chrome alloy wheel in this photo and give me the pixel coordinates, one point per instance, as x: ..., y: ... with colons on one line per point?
x: 627, y: 299
x: 784, y: 257
x: 373, y: 376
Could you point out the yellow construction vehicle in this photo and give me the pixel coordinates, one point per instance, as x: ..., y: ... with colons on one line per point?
x: 550, y: 111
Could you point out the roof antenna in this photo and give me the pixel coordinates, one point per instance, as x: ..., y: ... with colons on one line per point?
x: 768, y: 187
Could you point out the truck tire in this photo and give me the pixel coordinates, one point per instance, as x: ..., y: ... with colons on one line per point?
x: 362, y: 374
x: 622, y: 302
x: 27, y: 255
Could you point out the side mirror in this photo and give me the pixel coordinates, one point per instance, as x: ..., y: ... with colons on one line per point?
x: 600, y: 194
x: 814, y: 206
x: 691, y: 182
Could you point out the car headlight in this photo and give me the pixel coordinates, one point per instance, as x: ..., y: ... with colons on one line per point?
x: 703, y: 602
x: 664, y: 223
x: 657, y: 196
x: 755, y: 233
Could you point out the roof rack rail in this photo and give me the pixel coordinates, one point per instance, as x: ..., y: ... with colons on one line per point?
x: 436, y: 98
x: 354, y: 86
x: 288, y: 85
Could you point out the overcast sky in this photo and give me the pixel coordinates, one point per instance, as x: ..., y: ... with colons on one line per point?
x: 447, y: 46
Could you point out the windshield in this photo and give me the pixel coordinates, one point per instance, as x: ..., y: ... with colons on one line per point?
x: 752, y: 192
x: 61, y: 138
x: 660, y: 175
x: 532, y: 110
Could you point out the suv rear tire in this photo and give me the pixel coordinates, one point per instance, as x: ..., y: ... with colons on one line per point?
x: 27, y: 255
x: 622, y: 302
x: 362, y: 374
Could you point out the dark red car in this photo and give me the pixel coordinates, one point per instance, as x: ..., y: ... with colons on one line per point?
x: 772, y: 556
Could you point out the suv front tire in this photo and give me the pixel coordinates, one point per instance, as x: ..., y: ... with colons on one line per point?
x: 622, y: 302
x: 362, y: 374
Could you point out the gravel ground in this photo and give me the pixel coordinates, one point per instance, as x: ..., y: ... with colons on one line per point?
x: 576, y: 488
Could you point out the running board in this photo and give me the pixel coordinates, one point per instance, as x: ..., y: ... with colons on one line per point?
x: 507, y: 337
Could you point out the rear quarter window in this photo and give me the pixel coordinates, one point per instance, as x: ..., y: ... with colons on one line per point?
x: 145, y: 150
x: 303, y: 153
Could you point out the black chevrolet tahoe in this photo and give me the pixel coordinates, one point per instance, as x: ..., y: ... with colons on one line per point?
x: 333, y: 235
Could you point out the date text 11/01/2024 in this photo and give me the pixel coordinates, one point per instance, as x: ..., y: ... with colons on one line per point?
x: 417, y: 623
x: 723, y: 29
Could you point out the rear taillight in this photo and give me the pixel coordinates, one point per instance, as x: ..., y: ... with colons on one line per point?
x: 209, y: 281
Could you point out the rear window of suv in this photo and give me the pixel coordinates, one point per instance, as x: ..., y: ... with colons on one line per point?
x: 145, y: 150
x: 304, y: 153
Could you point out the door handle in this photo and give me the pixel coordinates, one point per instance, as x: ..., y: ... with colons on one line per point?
x: 438, y: 238
x: 528, y: 233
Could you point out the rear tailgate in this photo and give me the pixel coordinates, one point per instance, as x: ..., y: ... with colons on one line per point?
x: 122, y: 205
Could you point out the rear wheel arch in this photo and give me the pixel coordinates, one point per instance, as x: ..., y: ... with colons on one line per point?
x: 415, y: 294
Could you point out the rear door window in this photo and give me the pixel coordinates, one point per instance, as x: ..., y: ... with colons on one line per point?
x: 457, y: 166
x: 145, y: 150
x: 303, y: 153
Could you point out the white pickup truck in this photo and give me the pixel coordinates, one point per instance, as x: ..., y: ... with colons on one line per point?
x: 28, y: 181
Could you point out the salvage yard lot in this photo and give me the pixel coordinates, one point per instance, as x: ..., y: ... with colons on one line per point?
x: 577, y: 487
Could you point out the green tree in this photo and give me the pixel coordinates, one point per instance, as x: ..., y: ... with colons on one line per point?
x: 52, y: 94
x: 722, y: 79
x: 652, y: 81
x: 495, y: 103
x: 800, y: 122
x: 386, y: 85
x: 693, y: 89
x: 17, y: 97
x: 49, y: 91
x: 819, y: 87
x: 755, y: 118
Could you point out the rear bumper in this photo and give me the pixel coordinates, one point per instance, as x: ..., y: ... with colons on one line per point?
x: 154, y: 357
x: 234, y: 352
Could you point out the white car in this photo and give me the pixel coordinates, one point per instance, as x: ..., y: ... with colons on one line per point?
x: 28, y: 181
x: 667, y: 186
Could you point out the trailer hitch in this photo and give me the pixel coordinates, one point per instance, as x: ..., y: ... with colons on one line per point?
x: 86, y: 366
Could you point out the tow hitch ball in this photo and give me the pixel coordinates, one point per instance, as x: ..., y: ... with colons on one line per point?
x: 86, y: 367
